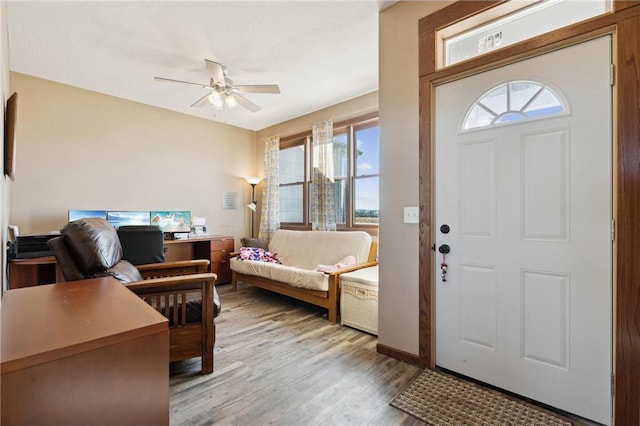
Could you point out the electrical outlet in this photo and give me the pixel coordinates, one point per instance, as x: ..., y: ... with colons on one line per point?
x: 411, y: 214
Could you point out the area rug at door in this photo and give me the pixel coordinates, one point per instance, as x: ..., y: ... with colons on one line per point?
x: 441, y: 399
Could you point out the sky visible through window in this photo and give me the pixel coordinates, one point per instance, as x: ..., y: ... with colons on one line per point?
x: 367, y: 163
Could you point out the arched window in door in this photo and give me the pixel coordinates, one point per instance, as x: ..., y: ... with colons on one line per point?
x: 514, y: 101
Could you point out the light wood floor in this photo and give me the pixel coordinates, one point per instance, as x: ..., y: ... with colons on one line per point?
x: 278, y: 361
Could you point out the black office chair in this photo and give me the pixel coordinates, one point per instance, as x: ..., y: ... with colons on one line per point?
x: 142, y: 244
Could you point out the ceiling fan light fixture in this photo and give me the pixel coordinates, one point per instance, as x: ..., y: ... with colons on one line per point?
x: 230, y: 101
x: 216, y: 100
x: 214, y: 97
x: 223, y: 93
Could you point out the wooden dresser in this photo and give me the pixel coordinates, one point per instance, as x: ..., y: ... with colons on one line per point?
x: 83, y: 353
x: 220, y: 252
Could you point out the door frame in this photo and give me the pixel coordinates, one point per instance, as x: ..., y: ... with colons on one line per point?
x: 622, y: 24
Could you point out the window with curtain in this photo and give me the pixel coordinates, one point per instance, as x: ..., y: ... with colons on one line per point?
x: 356, y: 147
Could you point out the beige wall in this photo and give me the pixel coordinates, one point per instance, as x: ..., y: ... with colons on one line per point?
x: 78, y: 149
x: 4, y: 182
x: 398, y: 84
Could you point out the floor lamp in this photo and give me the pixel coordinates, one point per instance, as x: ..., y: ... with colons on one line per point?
x: 253, y: 181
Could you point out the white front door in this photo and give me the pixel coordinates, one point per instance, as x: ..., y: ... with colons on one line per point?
x: 526, y: 305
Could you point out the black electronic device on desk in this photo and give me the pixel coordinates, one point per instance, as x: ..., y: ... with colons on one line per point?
x: 29, y: 246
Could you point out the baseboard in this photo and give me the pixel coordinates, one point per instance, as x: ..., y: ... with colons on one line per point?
x: 398, y: 354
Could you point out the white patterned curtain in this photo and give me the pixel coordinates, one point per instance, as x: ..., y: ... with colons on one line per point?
x: 270, y: 217
x: 323, y: 212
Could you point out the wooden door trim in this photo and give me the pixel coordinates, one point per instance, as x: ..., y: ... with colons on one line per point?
x: 623, y: 22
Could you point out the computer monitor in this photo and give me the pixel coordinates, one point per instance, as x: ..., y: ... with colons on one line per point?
x: 85, y: 214
x: 120, y: 218
x: 172, y: 221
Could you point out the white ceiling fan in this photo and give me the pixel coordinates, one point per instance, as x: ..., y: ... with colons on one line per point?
x: 222, y: 90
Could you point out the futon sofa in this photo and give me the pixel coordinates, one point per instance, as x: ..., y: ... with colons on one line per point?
x: 301, y: 258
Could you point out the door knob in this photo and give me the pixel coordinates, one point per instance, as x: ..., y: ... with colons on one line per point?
x: 444, y: 249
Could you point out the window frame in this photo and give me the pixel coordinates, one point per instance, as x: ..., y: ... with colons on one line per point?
x: 360, y: 126
x: 292, y: 142
x: 304, y: 139
x: 526, y: 116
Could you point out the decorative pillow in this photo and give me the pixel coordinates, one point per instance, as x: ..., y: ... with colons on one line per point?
x: 254, y: 242
x: 259, y: 254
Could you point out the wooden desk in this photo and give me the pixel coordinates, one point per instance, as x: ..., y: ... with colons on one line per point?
x: 33, y: 271
x: 215, y: 248
x: 83, y: 353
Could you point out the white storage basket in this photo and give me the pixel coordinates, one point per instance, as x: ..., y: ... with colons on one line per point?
x: 359, y: 299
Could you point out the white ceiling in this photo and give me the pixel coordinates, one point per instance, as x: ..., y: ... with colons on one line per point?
x: 319, y: 52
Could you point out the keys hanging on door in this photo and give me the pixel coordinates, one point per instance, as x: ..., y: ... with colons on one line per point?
x: 443, y: 268
x: 444, y: 249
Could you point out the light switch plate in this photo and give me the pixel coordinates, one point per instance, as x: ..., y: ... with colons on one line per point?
x: 411, y: 214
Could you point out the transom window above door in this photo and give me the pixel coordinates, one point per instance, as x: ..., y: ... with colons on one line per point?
x: 508, y: 23
x: 514, y: 101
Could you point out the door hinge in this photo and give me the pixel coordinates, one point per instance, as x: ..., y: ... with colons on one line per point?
x: 613, y: 229
x: 613, y: 385
x: 612, y: 74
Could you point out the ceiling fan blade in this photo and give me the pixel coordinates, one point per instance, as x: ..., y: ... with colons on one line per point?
x: 257, y: 88
x: 202, y: 101
x: 244, y: 102
x: 217, y: 72
x: 170, y: 80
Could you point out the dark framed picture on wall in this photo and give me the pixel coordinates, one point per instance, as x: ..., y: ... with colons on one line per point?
x: 10, y: 118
